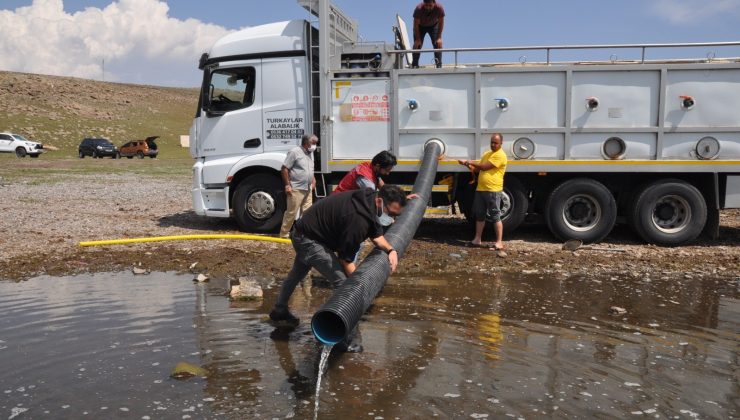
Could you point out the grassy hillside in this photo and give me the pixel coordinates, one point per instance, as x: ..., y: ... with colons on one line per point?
x: 61, y: 111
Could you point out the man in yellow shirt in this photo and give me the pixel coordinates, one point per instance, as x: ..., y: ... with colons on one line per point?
x: 487, y: 202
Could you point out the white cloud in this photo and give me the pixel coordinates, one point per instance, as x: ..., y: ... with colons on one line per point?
x: 684, y: 12
x: 137, y: 39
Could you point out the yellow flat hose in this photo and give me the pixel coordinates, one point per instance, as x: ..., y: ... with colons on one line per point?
x: 184, y: 237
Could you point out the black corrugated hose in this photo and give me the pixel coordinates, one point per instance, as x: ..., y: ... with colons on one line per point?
x: 341, y: 313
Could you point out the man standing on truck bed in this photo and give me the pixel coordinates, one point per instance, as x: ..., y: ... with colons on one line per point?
x: 487, y: 202
x: 327, y: 238
x: 299, y: 180
x: 429, y: 18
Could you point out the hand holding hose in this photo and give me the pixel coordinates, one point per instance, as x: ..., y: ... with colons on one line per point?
x: 393, y: 260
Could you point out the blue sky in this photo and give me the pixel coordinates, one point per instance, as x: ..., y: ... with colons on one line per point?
x: 169, y: 36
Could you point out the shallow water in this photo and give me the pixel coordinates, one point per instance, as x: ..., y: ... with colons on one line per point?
x: 450, y: 347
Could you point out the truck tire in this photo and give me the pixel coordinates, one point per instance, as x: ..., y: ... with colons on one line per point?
x: 515, y: 204
x: 81, y: 155
x: 581, y: 208
x: 20, y: 152
x: 140, y: 154
x: 259, y: 203
x: 669, y: 212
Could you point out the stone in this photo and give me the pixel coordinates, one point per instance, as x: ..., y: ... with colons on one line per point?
x: 185, y: 370
x: 616, y: 310
x: 140, y: 271
x: 246, y: 290
x: 201, y: 278
x: 192, y: 267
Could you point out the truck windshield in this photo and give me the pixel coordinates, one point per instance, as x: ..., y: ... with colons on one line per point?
x: 231, y: 89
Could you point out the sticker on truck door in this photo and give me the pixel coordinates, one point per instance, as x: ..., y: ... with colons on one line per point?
x: 284, y: 128
x: 365, y: 107
x: 370, y: 108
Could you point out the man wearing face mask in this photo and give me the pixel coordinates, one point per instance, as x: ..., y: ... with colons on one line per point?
x: 368, y: 174
x: 328, y: 236
x: 299, y: 181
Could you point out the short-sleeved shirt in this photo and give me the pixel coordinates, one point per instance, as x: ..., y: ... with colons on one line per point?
x: 492, y: 180
x: 300, y: 168
x: 342, y: 222
x: 431, y: 17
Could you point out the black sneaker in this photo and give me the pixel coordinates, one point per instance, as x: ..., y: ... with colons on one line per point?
x: 281, y: 317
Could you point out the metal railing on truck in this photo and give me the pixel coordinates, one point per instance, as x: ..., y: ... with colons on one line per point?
x: 548, y: 49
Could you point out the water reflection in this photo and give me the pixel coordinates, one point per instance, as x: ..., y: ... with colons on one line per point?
x: 452, y: 347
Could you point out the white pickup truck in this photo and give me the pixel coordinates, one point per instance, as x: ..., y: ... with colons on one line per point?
x: 21, y: 146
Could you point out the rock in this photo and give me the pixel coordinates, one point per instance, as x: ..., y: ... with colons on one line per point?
x: 246, y: 290
x: 140, y: 271
x: 192, y: 267
x: 185, y: 370
x: 453, y: 255
x: 501, y: 254
x: 201, y: 278
x: 616, y: 310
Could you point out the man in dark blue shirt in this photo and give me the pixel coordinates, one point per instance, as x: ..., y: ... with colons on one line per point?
x: 329, y: 234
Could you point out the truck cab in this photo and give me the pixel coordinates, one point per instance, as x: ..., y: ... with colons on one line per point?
x: 253, y: 108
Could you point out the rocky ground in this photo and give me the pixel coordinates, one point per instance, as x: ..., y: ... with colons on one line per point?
x: 43, y: 222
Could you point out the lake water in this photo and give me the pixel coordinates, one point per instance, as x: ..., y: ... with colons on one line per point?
x: 104, y: 345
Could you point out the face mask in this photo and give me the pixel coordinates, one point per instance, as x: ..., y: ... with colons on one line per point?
x: 311, y: 148
x: 383, y: 218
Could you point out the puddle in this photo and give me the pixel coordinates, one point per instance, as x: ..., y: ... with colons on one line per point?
x: 104, y: 345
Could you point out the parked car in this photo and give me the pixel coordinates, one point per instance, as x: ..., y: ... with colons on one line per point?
x: 140, y: 148
x: 21, y: 146
x: 97, y: 148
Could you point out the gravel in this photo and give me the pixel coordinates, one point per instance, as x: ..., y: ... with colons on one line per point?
x: 43, y: 222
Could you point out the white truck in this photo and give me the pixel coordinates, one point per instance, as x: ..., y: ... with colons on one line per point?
x: 21, y: 146
x: 652, y: 144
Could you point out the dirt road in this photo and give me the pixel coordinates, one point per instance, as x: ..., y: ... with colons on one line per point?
x: 45, y: 217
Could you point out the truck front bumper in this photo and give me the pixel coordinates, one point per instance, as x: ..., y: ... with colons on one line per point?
x: 208, y: 201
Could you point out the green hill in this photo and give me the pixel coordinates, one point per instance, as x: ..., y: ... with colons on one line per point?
x: 61, y: 111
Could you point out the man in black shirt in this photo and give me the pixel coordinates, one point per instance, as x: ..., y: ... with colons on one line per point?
x: 329, y: 234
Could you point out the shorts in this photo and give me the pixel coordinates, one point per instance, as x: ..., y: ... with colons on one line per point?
x: 487, y: 206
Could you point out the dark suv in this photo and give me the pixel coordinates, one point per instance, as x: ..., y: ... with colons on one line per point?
x: 97, y: 148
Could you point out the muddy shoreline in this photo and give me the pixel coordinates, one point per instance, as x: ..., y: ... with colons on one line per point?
x: 45, y: 221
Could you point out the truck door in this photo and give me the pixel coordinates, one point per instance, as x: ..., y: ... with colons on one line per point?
x: 231, y: 122
x: 5, y: 142
x: 285, y: 98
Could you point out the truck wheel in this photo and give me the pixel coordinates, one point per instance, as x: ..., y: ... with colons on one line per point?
x: 94, y: 154
x: 20, y: 152
x: 669, y: 212
x: 140, y: 154
x: 259, y: 203
x: 514, y: 204
x: 581, y: 208
x: 81, y: 155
